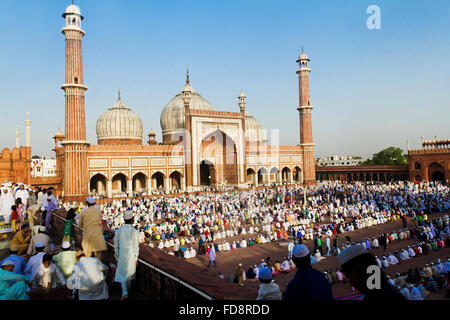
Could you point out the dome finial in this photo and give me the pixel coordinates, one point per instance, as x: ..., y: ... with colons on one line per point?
x: 119, y: 95
x: 187, y: 76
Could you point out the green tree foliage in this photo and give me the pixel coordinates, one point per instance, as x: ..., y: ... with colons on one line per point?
x: 390, y: 155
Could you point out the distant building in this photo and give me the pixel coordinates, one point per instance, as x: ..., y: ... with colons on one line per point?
x: 431, y: 162
x: 338, y: 161
x: 43, y: 168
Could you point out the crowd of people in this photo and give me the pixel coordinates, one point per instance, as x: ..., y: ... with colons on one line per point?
x: 183, y: 224
x: 36, y: 264
x: 210, y: 223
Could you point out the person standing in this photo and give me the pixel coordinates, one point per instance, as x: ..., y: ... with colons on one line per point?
x: 90, y: 222
x: 6, y: 202
x: 126, y: 253
x: 308, y: 283
x: 212, y: 256
x: 240, y: 275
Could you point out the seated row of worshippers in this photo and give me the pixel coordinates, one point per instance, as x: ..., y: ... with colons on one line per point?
x: 397, y: 256
x: 418, y: 283
x: 284, y: 266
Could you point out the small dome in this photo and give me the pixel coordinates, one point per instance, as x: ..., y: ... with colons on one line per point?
x: 119, y: 125
x: 73, y: 9
x: 173, y: 115
x: 59, y: 133
x: 242, y: 95
x: 303, y: 56
x: 253, y: 129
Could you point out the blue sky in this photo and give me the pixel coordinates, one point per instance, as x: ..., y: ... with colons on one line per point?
x: 371, y: 89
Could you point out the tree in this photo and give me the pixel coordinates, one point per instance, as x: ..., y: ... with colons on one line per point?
x: 387, y: 156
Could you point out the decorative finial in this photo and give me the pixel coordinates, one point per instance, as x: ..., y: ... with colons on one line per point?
x: 302, y: 49
x: 187, y: 76
x: 119, y: 94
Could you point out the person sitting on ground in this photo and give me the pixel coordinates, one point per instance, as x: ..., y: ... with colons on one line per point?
x: 285, y: 266
x: 268, y: 289
x: 392, y: 259
x: 355, y: 260
x: 250, y: 273
x: 35, y: 261
x: 22, y: 239
x: 19, y: 262
x: 277, y: 266
x: 40, y: 237
x: 13, y: 286
x: 47, y: 274
x: 405, y: 292
x: 65, y: 260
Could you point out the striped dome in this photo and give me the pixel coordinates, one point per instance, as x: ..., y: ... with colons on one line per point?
x: 119, y: 123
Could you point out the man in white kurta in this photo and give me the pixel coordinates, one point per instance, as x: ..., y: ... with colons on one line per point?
x: 6, y: 201
x: 88, y: 278
x: 126, y: 252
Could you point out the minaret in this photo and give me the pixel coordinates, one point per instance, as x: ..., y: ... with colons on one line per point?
x: 27, y: 131
x: 75, y: 144
x: 17, y: 137
x: 242, y: 102
x: 304, y: 108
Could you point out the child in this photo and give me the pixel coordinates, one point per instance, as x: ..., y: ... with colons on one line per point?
x: 14, y: 218
x: 20, y: 214
x: 45, y: 276
x: 68, y: 227
x: 268, y: 290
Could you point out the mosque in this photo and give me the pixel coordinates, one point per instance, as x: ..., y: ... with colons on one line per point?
x: 201, y: 146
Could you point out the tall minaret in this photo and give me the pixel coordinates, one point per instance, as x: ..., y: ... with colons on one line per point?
x: 75, y: 144
x: 304, y: 108
x: 17, y: 136
x: 27, y: 131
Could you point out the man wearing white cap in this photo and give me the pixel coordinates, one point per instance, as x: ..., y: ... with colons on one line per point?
x: 36, y: 260
x: 40, y: 237
x: 12, y: 285
x: 308, y: 283
x: 65, y: 260
x: 355, y: 262
x: 126, y: 252
x: 19, y: 262
x: 90, y: 221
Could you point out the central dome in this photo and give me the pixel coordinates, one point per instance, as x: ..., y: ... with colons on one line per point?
x: 119, y: 125
x: 173, y: 115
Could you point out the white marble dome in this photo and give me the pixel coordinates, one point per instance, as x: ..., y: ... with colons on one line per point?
x: 73, y: 9
x: 119, y: 122
x: 253, y: 129
x: 173, y: 115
